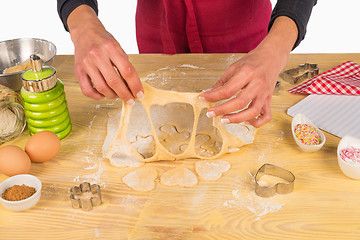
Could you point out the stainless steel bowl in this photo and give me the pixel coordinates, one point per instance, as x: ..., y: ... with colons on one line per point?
x: 15, y: 51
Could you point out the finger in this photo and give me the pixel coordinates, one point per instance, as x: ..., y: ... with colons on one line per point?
x: 238, y: 103
x: 115, y: 81
x: 264, y: 117
x: 248, y: 114
x: 99, y: 82
x: 242, y: 100
x: 128, y: 73
x: 229, y: 73
x: 230, y: 88
x: 86, y: 85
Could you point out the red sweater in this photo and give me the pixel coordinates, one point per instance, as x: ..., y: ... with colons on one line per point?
x: 217, y: 26
x: 210, y: 26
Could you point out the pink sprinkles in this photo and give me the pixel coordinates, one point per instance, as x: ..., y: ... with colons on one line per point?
x: 307, y: 134
x: 350, y: 155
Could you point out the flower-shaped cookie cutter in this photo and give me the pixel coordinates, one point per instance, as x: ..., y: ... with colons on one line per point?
x: 302, y: 72
x: 280, y: 188
x: 85, y: 196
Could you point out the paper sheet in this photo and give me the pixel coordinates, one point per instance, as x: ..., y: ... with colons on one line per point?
x: 336, y: 114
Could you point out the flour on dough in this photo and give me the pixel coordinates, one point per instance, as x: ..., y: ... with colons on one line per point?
x: 179, y: 176
x: 142, y: 179
x: 170, y: 125
x: 211, y: 169
x: 119, y: 158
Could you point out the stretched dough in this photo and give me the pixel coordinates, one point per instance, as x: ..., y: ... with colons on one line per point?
x: 211, y: 169
x: 142, y: 180
x: 118, y: 159
x: 179, y: 176
x: 170, y: 125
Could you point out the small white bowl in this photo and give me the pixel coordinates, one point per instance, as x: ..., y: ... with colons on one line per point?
x: 350, y: 170
x: 300, y: 118
x: 20, y: 179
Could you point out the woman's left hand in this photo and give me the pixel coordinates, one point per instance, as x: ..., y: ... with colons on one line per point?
x: 248, y: 84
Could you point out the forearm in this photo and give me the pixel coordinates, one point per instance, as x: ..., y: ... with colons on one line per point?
x: 297, y: 10
x: 66, y: 7
x: 279, y: 42
x: 82, y: 17
x: 282, y: 35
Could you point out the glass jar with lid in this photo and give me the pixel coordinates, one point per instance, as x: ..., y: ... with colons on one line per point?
x: 12, y: 115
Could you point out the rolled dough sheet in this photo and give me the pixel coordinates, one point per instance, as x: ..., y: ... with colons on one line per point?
x: 180, y: 117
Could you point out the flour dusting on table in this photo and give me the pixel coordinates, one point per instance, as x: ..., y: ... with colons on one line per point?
x: 93, y: 158
x: 245, y: 196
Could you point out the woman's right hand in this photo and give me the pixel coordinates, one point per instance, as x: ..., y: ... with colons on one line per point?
x: 99, y: 58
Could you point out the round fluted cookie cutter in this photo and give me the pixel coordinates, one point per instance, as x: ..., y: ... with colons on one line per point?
x: 278, y: 188
x: 85, y: 196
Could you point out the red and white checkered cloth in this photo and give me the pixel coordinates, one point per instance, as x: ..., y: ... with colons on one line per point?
x: 341, y: 80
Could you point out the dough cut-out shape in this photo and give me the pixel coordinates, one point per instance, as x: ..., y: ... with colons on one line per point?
x: 142, y: 180
x: 120, y: 158
x: 180, y: 176
x: 180, y: 116
x: 144, y: 146
x: 211, y: 169
x: 172, y: 139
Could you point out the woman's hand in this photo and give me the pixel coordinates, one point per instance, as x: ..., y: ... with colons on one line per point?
x: 99, y: 58
x: 250, y: 81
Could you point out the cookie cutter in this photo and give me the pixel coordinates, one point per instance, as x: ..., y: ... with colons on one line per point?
x: 277, y: 88
x: 280, y: 188
x: 85, y: 196
x: 302, y: 72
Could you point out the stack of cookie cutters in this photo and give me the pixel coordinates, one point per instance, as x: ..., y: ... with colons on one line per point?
x: 302, y: 72
x: 280, y: 188
x: 85, y: 196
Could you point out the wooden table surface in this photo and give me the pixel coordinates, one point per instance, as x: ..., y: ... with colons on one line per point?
x: 323, y: 205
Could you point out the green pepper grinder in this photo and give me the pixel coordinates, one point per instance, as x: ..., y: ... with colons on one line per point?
x: 44, y: 100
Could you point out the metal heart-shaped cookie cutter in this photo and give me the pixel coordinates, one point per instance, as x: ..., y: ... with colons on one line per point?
x: 302, y: 72
x: 85, y: 196
x: 281, y: 188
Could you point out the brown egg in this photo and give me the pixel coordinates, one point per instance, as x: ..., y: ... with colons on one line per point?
x: 42, y: 146
x: 14, y: 161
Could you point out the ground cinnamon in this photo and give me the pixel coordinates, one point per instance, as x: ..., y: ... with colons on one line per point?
x: 18, y: 192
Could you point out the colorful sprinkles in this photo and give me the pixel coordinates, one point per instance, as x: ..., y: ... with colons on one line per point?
x: 307, y: 134
x: 350, y: 155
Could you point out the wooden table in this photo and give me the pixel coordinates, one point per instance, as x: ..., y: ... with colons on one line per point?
x: 324, y: 204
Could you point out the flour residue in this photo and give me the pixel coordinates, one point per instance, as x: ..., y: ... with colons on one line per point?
x: 266, y: 151
x: 257, y: 205
x: 163, y: 75
x: 93, y: 157
x: 244, y: 196
x: 232, y: 59
x: 178, y: 67
x: 96, y: 232
x: 190, y: 66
